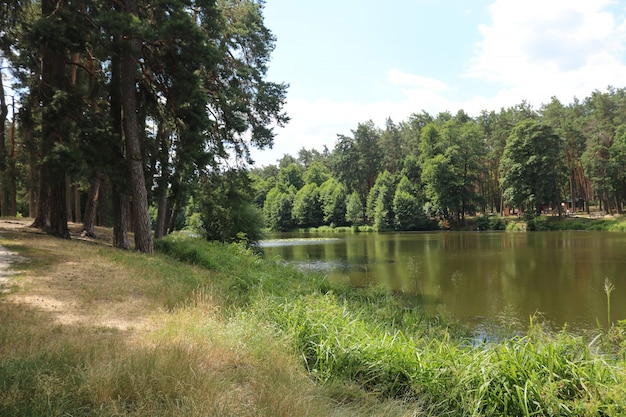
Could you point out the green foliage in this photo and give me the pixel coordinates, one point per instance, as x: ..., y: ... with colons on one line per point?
x: 430, y: 142
x: 391, y: 148
x: 379, y: 208
x: 490, y: 223
x: 355, y: 213
x: 291, y: 176
x: 356, y: 160
x: 261, y: 186
x: 307, y: 208
x: 333, y: 196
x: 202, y: 98
x: 537, y: 223
x: 412, y: 170
x: 226, y: 208
x: 278, y: 207
x: 606, y: 225
x: 316, y: 174
x: 404, y: 205
x: 531, y: 168
x: 442, y: 185
x: 537, y: 374
x: 408, y: 208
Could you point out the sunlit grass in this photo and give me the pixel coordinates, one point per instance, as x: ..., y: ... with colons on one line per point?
x: 226, y: 333
x: 369, y: 339
x: 536, y: 374
x: 196, y: 352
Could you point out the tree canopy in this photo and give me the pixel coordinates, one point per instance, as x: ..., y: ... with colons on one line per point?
x: 141, y: 116
x: 442, y: 168
x: 173, y: 91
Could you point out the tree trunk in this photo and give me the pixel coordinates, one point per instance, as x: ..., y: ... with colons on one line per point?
x: 118, y: 176
x: 103, y: 206
x: 4, y: 112
x: 51, y: 210
x: 91, y: 206
x: 12, y: 180
x: 173, y: 215
x: 162, y: 190
x: 161, y: 229
x: 120, y: 218
x: 33, y: 197
x: 77, y: 208
x: 571, y: 195
x: 134, y: 158
x: 58, y: 212
x: 68, y: 198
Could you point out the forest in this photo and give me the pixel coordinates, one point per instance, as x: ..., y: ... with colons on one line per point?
x: 121, y: 111
x: 434, y: 170
x: 141, y: 116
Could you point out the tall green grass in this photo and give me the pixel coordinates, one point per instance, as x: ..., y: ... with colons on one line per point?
x: 243, y: 275
x: 237, y: 328
x: 537, y: 374
x: 369, y: 339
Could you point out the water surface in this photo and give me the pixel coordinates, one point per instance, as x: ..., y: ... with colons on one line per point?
x: 475, y: 277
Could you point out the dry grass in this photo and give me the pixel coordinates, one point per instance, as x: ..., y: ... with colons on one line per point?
x: 89, y: 330
x: 75, y: 282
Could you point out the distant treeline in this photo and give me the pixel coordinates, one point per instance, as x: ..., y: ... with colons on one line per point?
x: 428, y: 169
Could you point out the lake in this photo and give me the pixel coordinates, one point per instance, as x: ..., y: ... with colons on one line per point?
x: 476, y: 276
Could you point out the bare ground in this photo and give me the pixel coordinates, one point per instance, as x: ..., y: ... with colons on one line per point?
x: 78, y: 288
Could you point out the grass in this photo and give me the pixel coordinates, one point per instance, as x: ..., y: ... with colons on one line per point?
x: 536, y: 374
x: 91, y: 331
x: 611, y: 224
x: 210, y: 329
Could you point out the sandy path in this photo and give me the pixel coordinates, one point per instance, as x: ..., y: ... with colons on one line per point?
x: 90, y: 291
x: 6, y: 259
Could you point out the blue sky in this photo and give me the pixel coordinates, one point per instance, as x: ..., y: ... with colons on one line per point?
x: 350, y: 61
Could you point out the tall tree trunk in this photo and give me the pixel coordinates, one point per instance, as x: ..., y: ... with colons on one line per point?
x: 162, y: 190
x: 33, y: 197
x: 161, y: 229
x: 571, y: 194
x: 120, y: 218
x: 68, y: 198
x: 118, y: 176
x: 134, y: 158
x: 103, y: 206
x: 77, y: 208
x: 89, y: 222
x: 51, y: 210
x: 12, y: 180
x: 4, y: 192
x: 173, y: 215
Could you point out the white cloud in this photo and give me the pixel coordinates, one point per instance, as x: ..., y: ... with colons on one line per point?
x: 313, y: 124
x: 426, y: 84
x: 537, y: 49
x: 317, y: 123
x: 532, y: 50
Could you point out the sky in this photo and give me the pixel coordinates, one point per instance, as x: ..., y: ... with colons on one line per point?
x: 351, y: 61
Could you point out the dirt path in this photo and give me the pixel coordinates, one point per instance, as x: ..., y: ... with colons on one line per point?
x: 77, y: 286
x: 7, y: 257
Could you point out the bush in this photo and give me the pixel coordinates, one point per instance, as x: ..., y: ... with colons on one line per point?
x: 490, y: 223
x: 537, y: 223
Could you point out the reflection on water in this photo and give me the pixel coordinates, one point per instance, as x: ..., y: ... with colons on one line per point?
x: 474, y: 277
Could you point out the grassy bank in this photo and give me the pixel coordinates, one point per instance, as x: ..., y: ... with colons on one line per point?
x: 86, y: 330
x: 607, y: 224
x: 207, y: 329
x: 592, y: 222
